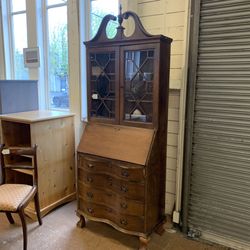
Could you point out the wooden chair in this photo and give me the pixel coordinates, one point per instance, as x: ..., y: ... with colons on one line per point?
x: 15, y: 197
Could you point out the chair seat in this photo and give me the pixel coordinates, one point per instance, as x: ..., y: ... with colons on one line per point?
x: 12, y: 195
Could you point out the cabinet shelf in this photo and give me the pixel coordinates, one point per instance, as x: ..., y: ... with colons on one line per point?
x: 24, y: 171
x: 143, y: 101
x: 105, y: 99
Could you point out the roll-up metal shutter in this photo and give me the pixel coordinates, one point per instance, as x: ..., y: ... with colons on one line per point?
x: 219, y: 197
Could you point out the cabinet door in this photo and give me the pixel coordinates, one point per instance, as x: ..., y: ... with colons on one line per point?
x: 139, y: 85
x: 102, y: 84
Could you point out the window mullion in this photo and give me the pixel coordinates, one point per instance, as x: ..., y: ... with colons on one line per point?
x: 46, y: 52
x: 56, y: 5
x: 18, y: 12
x: 11, y: 40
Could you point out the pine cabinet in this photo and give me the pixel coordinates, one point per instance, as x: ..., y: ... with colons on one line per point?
x: 53, y: 132
x: 121, y: 158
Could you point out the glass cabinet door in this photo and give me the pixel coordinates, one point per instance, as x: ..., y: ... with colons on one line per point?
x: 102, y: 96
x: 138, y: 85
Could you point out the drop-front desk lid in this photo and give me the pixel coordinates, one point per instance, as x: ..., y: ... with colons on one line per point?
x: 122, y: 143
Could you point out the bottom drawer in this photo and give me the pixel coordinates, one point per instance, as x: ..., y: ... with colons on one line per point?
x: 128, y: 222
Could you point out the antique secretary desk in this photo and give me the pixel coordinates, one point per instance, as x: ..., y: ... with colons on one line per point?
x: 122, y: 153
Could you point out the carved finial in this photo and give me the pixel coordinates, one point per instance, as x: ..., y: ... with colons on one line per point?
x: 120, y: 17
x: 120, y: 9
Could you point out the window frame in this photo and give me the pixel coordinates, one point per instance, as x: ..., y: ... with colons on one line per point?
x: 8, y: 30
x: 2, y: 52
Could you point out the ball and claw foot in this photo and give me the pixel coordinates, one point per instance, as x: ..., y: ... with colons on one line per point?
x: 160, y: 230
x: 143, y: 243
x: 81, y: 223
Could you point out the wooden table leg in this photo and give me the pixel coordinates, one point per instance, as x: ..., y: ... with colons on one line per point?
x: 143, y: 243
x: 81, y: 223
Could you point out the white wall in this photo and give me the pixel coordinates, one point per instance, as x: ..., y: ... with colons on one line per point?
x: 74, y: 65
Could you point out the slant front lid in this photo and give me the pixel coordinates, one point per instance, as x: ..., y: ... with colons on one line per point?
x: 117, y: 142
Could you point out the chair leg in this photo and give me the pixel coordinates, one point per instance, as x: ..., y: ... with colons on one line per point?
x: 10, y: 218
x: 24, y: 225
x: 37, y: 205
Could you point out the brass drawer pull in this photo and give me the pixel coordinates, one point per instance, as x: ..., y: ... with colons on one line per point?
x: 90, y: 195
x: 89, y: 179
x: 90, y: 210
x: 124, y: 189
x: 110, y: 180
x: 123, y: 222
x: 125, y: 173
x: 109, y: 210
x: 124, y: 205
x: 90, y: 165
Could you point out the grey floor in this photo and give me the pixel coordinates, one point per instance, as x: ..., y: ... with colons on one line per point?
x: 59, y: 232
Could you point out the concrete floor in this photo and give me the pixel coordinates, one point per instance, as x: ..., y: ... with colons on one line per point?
x: 59, y: 232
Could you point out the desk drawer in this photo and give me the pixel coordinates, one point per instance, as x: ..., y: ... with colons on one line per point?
x: 130, y: 190
x: 128, y: 222
x: 125, y: 171
x: 93, y: 164
x: 109, y: 198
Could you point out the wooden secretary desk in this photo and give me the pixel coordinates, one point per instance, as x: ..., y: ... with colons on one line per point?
x: 122, y: 153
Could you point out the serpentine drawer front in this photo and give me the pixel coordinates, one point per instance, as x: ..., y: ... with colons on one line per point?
x: 125, y: 171
x: 128, y: 222
x: 112, y: 190
x: 127, y: 189
x: 118, y: 202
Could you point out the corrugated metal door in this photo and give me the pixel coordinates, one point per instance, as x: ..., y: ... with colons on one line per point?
x: 219, y: 197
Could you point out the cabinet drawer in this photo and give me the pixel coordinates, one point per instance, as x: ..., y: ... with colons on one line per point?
x: 125, y: 171
x: 109, y: 198
x: 93, y: 164
x: 128, y: 222
x: 130, y: 172
x: 130, y: 190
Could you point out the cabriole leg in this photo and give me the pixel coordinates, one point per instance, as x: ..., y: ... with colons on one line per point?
x: 81, y: 223
x: 143, y: 243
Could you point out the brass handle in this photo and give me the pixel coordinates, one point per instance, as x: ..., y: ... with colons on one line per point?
x: 89, y: 179
x: 109, y: 178
x: 90, y: 195
x: 124, y: 189
x: 90, y: 165
x: 90, y: 210
x: 123, y: 222
x: 110, y: 181
x: 124, y: 205
x: 108, y: 210
x: 125, y: 173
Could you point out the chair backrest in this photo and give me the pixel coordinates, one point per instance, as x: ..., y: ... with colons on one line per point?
x: 13, y: 158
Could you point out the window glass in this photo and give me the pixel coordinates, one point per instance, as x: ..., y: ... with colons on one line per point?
x: 19, y: 39
x: 99, y: 9
x: 58, y: 57
x: 18, y: 5
x: 53, y: 2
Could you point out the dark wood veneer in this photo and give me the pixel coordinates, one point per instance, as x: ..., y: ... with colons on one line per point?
x: 122, y: 153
